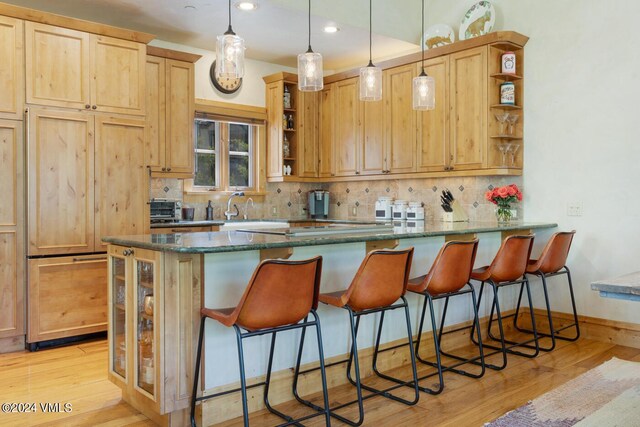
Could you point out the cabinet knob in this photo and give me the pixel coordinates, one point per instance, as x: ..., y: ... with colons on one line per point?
x: 164, y: 169
x: 357, y: 172
x: 94, y: 107
x: 87, y: 106
x: 168, y: 169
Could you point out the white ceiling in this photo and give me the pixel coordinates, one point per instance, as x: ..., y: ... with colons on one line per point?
x: 276, y: 32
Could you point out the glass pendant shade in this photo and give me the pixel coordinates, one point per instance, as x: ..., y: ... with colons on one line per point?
x: 424, y: 92
x: 370, y: 83
x: 230, y: 56
x: 310, y: 72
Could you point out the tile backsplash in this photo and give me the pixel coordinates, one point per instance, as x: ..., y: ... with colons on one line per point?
x: 289, y: 200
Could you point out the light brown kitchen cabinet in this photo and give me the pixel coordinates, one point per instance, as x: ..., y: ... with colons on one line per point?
x: 170, y: 103
x: 400, y: 119
x: 373, y: 148
x: 308, y: 133
x: 67, y: 296
x: 469, y: 109
x: 11, y: 68
x: 121, y: 180
x: 432, y: 149
x: 347, y: 137
x: 12, y: 256
x: 275, y: 130
x: 73, y: 69
x: 326, y: 163
x: 61, y: 181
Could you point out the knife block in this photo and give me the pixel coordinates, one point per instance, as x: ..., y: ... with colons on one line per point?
x: 458, y: 214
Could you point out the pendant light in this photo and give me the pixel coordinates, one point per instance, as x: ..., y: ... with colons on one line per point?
x: 230, y: 54
x: 310, y: 67
x: 370, y: 76
x: 424, y: 86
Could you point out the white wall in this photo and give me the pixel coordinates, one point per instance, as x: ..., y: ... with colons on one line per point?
x: 582, y: 140
x: 252, y: 91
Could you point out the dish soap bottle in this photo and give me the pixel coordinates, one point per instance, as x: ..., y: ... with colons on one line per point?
x: 209, y: 211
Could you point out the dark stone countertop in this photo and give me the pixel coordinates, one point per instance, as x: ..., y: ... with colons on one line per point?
x: 232, y: 241
x: 205, y: 223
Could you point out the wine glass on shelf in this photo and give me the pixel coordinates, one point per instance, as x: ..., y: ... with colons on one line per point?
x: 502, y: 119
x: 503, y: 147
x: 512, y: 119
x: 513, y: 150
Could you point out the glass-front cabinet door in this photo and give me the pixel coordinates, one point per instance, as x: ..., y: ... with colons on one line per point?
x: 118, y: 313
x: 146, y: 272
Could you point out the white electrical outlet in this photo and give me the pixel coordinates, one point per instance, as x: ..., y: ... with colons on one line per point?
x: 574, y: 208
x: 354, y: 211
x: 274, y: 211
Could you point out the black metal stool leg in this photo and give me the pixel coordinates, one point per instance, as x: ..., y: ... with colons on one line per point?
x: 323, y: 373
x: 477, y: 309
x: 551, y: 333
x: 243, y: 380
x: 424, y: 312
x: 196, y: 376
x: 573, y: 305
x: 503, y: 348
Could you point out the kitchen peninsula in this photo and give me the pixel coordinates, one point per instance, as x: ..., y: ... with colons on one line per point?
x: 158, y: 283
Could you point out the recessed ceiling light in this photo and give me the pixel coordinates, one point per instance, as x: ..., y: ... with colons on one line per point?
x: 247, y: 5
x: 331, y: 27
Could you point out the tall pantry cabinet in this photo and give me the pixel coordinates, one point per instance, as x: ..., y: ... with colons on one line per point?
x: 12, y: 298
x: 87, y: 178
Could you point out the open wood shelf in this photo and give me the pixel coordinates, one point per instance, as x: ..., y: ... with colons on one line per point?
x: 145, y: 284
x: 506, y: 107
x: 506, y: 77
x: 119, y: 277
x: 289, y: 130
x: 120, y: 307
x: 506, y: 137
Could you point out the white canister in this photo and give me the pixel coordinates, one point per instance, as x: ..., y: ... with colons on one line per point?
x: 415, y: 211
x: 415, y: 226
x: 399, y: 227
x: 508, y: 93
x: 400, y: 209
x: 508, y: 63
x: 383, y: 208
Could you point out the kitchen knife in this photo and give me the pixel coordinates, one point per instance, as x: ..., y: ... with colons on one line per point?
x: 450, y: 195
x: 446, y: 197
x: 444, y: 200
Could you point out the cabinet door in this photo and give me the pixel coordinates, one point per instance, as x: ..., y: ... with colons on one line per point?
x: 308, y: 133
x: 11, y: 68
x: 60, y: 185
x: 57, y: 66
x: 121, y: 179
x: 117, y: 72
x: 433, y: 126
x: 468, y: 97
x: 347, y: 127
x: 11, y: 231
x: 373, y: 157
x: 119, y: 299
x: 180, y: 102
x: 156, y: 113
x: 326, y: 162
x: 274, y: 132
x: 400, y: 119
x: 67, y: 296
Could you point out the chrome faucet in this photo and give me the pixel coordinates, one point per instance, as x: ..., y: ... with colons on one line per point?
x: 229, y: 213
x: 246, y: 207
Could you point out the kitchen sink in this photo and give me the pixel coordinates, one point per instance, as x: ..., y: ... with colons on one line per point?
x: 253, y: 225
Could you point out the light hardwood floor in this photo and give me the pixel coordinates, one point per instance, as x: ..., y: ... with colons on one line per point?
x: 77, y: 375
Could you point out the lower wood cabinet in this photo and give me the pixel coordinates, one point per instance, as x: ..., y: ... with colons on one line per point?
x: 67, y: 296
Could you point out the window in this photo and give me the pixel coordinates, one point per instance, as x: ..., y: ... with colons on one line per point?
x: 224, y: 155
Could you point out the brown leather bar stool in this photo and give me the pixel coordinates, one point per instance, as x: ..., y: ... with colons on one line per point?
x: 507, y: 268
x: 552, y: 262
x: 379, y: 283
x: 280, y: 296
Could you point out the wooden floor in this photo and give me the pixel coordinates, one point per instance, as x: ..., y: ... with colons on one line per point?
x: 77, y: 375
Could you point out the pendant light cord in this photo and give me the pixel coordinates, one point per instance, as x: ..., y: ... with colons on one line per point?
x: 423, y: 73
x: 370, y: 25
x: 230, y: 30
x: 309, y: 49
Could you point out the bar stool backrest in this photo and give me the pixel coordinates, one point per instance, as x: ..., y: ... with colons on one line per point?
x: 510, y: 263
x: 381, y: 279
x: 280, y: 293
x: 555, y: 253
x: 451, y: 269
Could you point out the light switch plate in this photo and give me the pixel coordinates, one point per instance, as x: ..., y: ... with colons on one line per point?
x: 574, y: 208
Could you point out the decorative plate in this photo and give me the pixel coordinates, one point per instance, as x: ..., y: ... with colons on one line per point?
x: 438, y: 35
x: 224, y: 84
x: 478, y: 20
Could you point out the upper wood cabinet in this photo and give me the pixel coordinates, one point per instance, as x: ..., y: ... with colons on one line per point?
x: 275, y: 130
x: 469, y: 109
x: 73, y: 69
x: 308, y: 133
x: 121, y: 182
x: 432, y: 150
x: 326, y: 163
x: 61, y: 182
x: 12, y: 255
x: 400, y: 126
x: 11, y: 68
x: 347, y: 136
x: 170, y: 103
x: 373, y: 153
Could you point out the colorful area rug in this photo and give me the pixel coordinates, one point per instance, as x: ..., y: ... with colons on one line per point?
x: 608, y: 395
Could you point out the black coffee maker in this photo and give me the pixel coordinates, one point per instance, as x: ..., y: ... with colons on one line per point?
x: 319, y: 204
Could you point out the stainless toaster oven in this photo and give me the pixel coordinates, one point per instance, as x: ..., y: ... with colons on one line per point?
x: 165, y: 210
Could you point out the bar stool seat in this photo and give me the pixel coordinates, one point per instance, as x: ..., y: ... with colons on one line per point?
x: 448, y: 276
x: 552, y: 262
x: 377, y: 286
x: 279, y: 297
x: 507, y: 268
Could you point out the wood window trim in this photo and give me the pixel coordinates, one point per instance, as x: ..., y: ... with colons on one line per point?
x: 241, y: 113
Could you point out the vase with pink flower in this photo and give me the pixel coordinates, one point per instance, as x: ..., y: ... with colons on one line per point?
x: 503, y: 197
